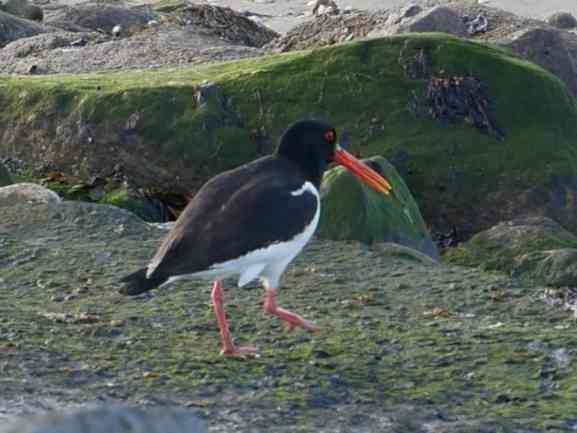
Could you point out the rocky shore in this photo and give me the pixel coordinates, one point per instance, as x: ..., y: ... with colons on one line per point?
x: 450, y: 309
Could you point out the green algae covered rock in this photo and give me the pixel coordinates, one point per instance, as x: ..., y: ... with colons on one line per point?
x: 556, y: 268
x: 508, y: 153
x: 535, y: 249
x: 353, y: 211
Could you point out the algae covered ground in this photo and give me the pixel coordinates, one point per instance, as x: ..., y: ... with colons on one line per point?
x: 406, y: 345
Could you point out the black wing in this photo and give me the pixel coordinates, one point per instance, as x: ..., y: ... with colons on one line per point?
x: 235, y: 213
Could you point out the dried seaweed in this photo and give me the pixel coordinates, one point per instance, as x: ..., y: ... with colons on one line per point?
x: 458, y: 98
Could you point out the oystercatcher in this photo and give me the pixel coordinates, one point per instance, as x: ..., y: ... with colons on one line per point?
x: 252, y: 221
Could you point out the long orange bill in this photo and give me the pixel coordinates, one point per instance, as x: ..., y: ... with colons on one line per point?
x: 362, y: 171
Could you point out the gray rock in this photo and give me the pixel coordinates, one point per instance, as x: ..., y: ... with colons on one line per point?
x: 411, y: 10
x: 480, y: 24
x: 27, y: 192
x: 437, y: 19
x: 548, y: 48
x: 13, y: 27
x: 325, y: 6
x: 100, y: 18
x: 42, y: 43
x: 562, y: 20
x: 112, y: 419
x: 23, y: 9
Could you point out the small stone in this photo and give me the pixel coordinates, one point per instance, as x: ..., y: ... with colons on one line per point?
x: 562, y: 20
x: 79, y: 42
x: 411, y: 10
x: 70, y: 297
x: 562, y: 358
x: 116, y: 31
x: 478, y: 25
x: 325, y: 6
x: 402, y: 286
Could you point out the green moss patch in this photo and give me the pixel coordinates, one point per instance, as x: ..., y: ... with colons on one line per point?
x: 403, y: 341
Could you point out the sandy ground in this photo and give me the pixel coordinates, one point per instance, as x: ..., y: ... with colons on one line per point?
x: 281, y: 15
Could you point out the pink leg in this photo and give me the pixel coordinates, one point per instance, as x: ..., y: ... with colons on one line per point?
x: 228, y: 347
x: 293, y: 320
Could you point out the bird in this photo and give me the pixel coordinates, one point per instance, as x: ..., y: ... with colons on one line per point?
x: 251, y: 222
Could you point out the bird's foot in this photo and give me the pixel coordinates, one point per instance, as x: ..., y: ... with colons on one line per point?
x: 293, y: 320
x: 240, y: 351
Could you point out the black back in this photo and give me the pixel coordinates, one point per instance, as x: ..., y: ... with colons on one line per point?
x: 234, y: 213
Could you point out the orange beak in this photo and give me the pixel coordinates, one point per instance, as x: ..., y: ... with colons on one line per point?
x: 362, y: 171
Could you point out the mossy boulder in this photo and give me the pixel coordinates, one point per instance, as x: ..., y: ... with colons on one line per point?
x: 535, y: 249
x: 152, y: 125
x: 556, y: 268
x: 353, y: 211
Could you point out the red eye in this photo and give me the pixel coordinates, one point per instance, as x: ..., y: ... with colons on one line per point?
x: 330, y: 136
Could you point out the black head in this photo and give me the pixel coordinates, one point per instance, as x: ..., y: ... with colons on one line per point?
x: 311, y: 145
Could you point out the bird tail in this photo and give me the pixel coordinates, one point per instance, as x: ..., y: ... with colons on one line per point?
x: 137, y: 282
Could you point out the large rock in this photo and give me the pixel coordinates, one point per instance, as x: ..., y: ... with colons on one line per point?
x: 91, y: 17
x: 169, y: 46
x: 353, y: 211
x: 225, y: 23
x: 44, y: 43
x: 109, y: 419
x: 25, y: 193
x: 328, y: 30
x: 22, y: 9
x: 562, y: 20
x: 536, y: 249
x: 13, y: 27
x: 548, y: 48
x: 438, y: 19
x: 157, y: 128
